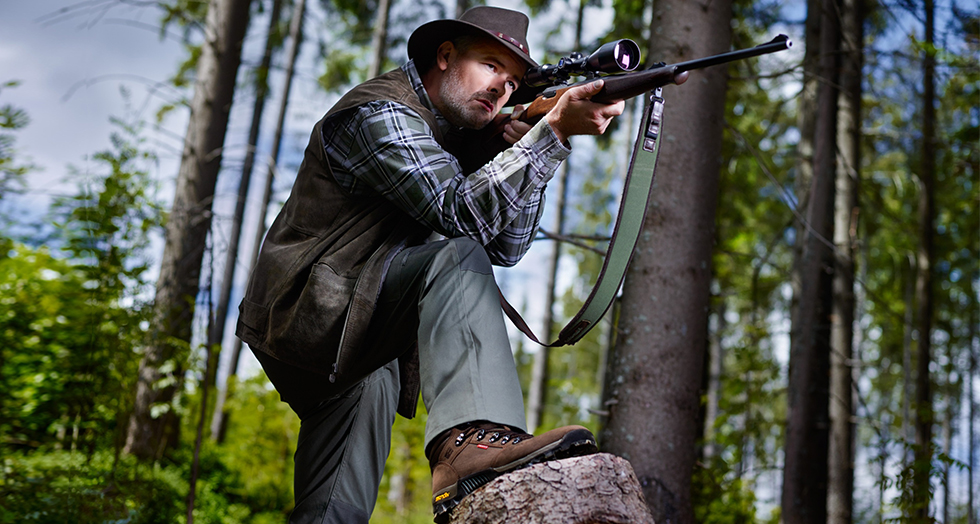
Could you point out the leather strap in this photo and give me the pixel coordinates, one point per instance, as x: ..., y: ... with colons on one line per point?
x: 629, y: 222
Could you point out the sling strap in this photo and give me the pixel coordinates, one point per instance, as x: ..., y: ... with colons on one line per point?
x: 629, y: 222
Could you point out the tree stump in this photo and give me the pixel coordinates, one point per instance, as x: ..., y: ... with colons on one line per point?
x: 595, y: 489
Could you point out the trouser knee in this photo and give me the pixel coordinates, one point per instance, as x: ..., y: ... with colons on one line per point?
x: 464, y: 254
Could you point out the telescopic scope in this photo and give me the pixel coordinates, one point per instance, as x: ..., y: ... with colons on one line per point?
x: 614, y: 57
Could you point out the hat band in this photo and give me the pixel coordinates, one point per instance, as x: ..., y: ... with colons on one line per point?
x: 514, y: 41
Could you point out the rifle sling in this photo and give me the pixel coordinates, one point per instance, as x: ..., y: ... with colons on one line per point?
x: 629, y: 222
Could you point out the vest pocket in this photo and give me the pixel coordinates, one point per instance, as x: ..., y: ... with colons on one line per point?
x: 307, y: 333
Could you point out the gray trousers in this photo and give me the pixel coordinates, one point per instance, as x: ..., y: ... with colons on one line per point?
x: 443, y: 293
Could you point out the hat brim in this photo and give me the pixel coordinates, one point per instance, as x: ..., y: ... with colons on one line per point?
x: 429, y: 36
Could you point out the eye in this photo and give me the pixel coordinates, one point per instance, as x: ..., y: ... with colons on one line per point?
x: 512, y: 85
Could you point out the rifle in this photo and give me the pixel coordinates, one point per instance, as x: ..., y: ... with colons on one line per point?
x: 613, y: 62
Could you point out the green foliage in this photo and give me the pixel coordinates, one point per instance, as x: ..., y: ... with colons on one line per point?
x: 340, y: 69
x: 189, y: 17
x: 248, y: 479
x: 751, y: 265
x: 60, y: 486
x: 258, y: 447
x: 720, y: 498
x: 405, y: 496
x: 184, y: 14
x: 11, y: 171
x: 70, y: 326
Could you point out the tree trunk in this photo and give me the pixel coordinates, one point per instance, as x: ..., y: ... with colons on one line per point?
x: 840, y: 501
x: 537, y: 393
x: 296, y: 40
x: 217, y: 331
x: 804, y: 498
x: 379, y: 38
x: 716, y: 368
x: 907, y: 390
x: 806, y: 121
x: 923, y: 284
x: 972, y: 420
x: 595, y: 489
x: 952, y: 401
x: 656, y: 367
x: 161, y: 369
x: 538, y: 388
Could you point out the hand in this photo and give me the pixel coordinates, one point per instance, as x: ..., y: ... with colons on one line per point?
x: 576, y: 114
x: 514, y: 129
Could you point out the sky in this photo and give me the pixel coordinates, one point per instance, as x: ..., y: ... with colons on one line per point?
x: 70, y: 70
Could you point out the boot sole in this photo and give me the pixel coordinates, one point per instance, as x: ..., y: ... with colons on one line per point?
x: 574, y: 444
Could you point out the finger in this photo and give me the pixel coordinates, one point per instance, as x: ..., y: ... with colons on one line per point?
x: 618, y: 108
x: 518, y: 111
x: 511, y: 133
x: 519, y: 127
x: 680, y: 78
x: 608, y: 112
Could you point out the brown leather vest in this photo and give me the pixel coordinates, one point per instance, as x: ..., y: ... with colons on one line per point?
x: 312, y: 292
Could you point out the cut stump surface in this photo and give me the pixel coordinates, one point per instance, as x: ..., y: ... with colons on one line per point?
x: 595, y: 489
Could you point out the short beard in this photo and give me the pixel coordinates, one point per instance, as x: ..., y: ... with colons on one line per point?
x: 454, y: 102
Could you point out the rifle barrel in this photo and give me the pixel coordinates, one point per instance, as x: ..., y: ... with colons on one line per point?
x: 780, y: 43
x: 627, y: 85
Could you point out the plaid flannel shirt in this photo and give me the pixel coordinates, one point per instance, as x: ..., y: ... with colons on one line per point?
x: 386, y: 148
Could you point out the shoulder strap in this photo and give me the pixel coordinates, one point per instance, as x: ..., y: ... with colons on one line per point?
x: 629, y: 223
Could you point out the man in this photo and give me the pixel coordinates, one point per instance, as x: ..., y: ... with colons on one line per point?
x: 351, y: 311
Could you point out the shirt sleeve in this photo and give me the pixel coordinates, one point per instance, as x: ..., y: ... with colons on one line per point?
x: 387, y: 148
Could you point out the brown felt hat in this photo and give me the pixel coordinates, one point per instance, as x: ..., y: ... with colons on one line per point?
x: 506, y: 26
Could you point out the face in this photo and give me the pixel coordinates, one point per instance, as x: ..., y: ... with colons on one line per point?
x: 478, y: 82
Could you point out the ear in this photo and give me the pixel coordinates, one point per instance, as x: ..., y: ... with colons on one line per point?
x: 445, y: 55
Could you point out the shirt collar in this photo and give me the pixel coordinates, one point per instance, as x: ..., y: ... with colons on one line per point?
x: 416, y: 81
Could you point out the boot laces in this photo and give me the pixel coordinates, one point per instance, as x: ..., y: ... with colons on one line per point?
x: 503, y: 434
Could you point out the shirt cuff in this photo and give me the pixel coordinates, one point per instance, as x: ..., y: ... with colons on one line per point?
x: 545, y: 151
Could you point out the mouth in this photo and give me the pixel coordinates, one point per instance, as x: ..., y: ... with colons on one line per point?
x: 486, y: 104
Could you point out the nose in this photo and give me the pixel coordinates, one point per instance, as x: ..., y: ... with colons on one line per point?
x: 498, y: 85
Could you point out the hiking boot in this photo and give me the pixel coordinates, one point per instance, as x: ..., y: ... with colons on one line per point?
x: 468, y: 457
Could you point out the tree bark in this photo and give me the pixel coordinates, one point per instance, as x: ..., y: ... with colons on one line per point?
x: 806, y: 121
x: 161, y: 369
x: 656, y: 368
x: 296, y: 40
x: 804, y: 497
x: 379, y: 38
x: 716, y: 369
x: 923, y: 285
x: 840, y: 500
x: 217, y: 332
x: 595, y: 489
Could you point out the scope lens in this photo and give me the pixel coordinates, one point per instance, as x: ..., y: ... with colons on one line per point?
x: 624, y: 57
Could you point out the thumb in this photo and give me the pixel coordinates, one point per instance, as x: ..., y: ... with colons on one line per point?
x: 587, y: 90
